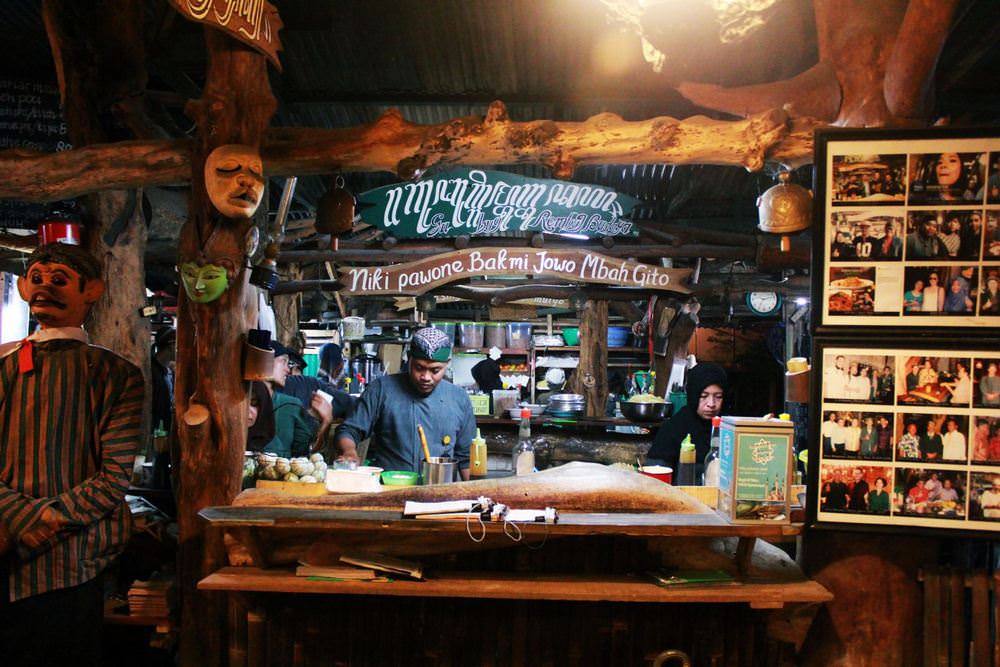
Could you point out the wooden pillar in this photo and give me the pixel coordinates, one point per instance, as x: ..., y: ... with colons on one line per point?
x: 592, y: 373
x: 210, y: 394
x: 99, y: 56
x: 286, y: 310
x: 662, y: 364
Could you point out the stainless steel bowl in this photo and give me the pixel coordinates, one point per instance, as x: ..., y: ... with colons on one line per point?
x: 645, y: 412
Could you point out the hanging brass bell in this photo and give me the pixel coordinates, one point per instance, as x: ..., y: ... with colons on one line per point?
x: 784, y: 208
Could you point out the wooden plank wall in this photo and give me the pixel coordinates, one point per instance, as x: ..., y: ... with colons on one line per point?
x: 360, y: 631
x: 292, y: 630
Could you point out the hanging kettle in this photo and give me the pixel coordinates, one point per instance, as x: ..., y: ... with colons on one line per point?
x: 335, y: 210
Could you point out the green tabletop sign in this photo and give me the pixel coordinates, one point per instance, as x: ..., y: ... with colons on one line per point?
x: 474, y: 202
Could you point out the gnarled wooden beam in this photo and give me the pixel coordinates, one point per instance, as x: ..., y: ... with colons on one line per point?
x: 814, y: 93
x: 394, y: 144
x: 876, y: 62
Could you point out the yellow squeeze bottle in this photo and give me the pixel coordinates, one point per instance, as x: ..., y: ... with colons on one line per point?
x: 686, y: 474
x: 477, y: 457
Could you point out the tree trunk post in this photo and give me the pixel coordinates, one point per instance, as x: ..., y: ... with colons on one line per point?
x: 592, y: 373
x: 210, y: 394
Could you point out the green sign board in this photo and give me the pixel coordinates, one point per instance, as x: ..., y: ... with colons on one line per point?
x: 475, y: 202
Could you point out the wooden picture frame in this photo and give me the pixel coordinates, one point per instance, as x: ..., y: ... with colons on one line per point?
x: 906, y: 229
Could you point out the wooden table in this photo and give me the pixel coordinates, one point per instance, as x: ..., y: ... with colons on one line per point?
x: 260, y: 528
x: 249, y: 525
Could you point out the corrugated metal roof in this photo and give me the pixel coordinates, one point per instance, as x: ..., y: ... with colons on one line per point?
x: 347, y: 62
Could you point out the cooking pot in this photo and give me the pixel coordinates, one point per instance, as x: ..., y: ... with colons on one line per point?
x: 644, y: 412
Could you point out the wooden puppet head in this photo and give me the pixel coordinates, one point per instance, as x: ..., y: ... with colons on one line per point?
x: 60, y: 285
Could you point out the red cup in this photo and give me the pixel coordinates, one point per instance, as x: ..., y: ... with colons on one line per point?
x: 662, y: 473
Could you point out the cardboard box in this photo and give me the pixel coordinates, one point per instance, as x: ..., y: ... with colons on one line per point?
x: 756, y: 471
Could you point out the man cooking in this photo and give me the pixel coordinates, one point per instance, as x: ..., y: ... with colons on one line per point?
x: 706, y: 386
x: 393, y: 406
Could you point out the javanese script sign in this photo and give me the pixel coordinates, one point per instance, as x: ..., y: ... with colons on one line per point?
x: 577, y: 265
x: 474, y: 202
x: 254, y: 22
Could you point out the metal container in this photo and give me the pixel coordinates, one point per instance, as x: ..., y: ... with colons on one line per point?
x: 644, y: 412
x: 566, y: 405
x: 368, y: 366
x: 352, y: 328
x: 439, y: 470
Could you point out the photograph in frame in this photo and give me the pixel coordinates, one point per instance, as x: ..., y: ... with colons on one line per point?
x: 988, y: 298
x: 930, y: 493
x: 946, y: 177
x: 986, y: 373
x: 984, y: 496
x: 933, y: 437
x: 934, y: 380
x: 869, y: 179
x: 854, y: 378
x: 856, y: 488
x: 986, y: 440
x: 867, y: 235
x: 856, y: 434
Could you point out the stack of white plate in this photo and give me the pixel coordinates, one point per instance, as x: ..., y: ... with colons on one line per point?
x: 567, y: 405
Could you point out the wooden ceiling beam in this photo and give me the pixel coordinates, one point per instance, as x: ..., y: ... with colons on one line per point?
x: 394, y: 144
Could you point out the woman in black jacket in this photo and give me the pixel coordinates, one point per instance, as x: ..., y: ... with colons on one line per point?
x: 706, y: 387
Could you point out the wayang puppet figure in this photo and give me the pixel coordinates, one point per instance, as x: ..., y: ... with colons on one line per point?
x: 70, y: 426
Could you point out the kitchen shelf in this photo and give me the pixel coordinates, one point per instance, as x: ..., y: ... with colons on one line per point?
x: 505, y: 352
x: 615, y: 359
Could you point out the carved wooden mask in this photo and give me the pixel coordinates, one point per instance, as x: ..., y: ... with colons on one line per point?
x: 234, y: 179
x: 204, y: 283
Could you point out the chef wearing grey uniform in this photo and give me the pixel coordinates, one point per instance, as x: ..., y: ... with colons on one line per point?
x: 394, y: 405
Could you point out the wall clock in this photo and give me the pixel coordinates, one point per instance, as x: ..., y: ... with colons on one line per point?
x: 764, y: 303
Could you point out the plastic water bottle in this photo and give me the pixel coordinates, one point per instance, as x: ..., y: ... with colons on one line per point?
x: 712, y: 460
x: 685, y: 471
x: 524, y: 453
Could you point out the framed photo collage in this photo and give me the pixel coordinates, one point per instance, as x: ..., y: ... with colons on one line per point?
x: 911, y: 232
x: 905, y: 416
x: 909, y: 437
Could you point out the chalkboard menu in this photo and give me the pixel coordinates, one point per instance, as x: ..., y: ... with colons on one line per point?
x: 30, y: 118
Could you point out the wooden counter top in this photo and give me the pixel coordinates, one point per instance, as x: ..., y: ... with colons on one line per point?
x: 513, y: 586
x: 640, y: 525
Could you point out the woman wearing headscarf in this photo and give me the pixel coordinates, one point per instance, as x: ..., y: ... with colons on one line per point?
x: 706, y: 387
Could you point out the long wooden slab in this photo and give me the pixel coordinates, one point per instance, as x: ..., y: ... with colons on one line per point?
x: 641, y: 525
x: 508, y: 586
